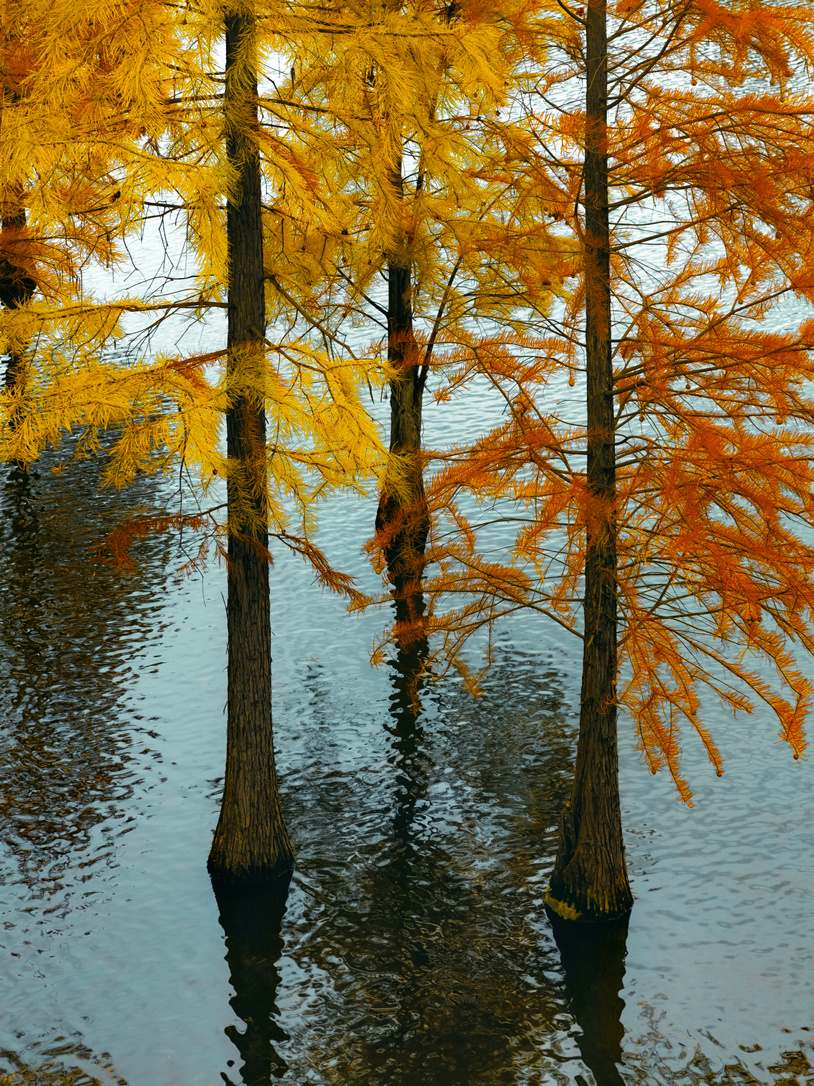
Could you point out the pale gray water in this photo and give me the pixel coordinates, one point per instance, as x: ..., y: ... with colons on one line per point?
x: 414, y: 948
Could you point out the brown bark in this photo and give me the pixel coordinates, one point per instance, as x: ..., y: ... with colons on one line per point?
x: 17, y: 288
x: 589, y: 881
x: 402, y: 518
x: 251, y: 843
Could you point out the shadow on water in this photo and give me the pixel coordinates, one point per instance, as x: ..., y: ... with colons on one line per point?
x: 251, y: 920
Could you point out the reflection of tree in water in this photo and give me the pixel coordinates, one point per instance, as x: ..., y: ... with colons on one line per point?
x: 454, y: 965
x: 251, y: 920
x: 431, y: 952
x: 69, y: 630
x: 57, y: 1072
x: 593, y: 957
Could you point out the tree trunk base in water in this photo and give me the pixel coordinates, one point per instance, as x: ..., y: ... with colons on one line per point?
x: 591, y: 913
x: 589, y: 883
x: 276, y: 876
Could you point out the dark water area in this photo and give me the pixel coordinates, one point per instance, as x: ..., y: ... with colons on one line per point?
x: 412, y: 948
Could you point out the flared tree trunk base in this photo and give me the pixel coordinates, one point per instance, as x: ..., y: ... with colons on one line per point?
x: 589, y: 883
x: 229, y: 872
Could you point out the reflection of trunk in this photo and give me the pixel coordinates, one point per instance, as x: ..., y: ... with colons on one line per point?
x: 251, y: 842
x: 593, y: 960
x: 589, y: 881
x: 408, y: 756
x: 251, y: 919
x: 402, y: 519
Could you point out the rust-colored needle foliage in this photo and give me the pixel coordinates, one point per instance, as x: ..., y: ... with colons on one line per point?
x: 613, y: 200
x: 709, y: 151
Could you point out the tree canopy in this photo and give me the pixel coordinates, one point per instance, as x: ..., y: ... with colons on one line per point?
x: 614, y: 200
x: 710, y: 209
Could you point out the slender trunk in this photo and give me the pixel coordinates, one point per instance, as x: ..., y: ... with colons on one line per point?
x: 589, y: 881
x: 17, y: 288
x: 251, y: 842
x: 402, y: 519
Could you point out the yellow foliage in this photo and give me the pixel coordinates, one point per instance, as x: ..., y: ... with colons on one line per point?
x: 443, y: 139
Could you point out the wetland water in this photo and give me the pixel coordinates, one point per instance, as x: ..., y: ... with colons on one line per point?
x: 412, y: 948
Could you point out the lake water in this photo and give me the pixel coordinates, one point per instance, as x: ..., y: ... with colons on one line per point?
x: 412, y: 948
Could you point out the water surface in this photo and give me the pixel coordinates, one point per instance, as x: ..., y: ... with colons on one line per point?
x: 412, y: 948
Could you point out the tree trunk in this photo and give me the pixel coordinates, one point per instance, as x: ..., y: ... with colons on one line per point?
x: 402, y: 519
x: 17, y: 288
x: 251, y: 843
x: 589, y: 881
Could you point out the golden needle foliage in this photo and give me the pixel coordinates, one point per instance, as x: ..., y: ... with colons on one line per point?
x: 128, y: 97
x: 452, y: 138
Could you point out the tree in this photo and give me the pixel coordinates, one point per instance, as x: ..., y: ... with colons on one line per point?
x: 493, y: 217
x: 169, y: 409
x: 589, y: 876
x: 250, y: 797
x: 409, y: 129
x: 689, y: 519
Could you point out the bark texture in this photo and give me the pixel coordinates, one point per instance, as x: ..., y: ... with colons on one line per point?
x: 589, y: 881
x: 251, y: 843
x: 402, y: 518
x: 17, y: 288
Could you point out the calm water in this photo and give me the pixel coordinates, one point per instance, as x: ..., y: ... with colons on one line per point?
x: 412, y: 948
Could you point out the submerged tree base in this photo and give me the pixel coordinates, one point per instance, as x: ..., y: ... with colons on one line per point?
x: 251, y: 846
x: 589, y: 883
x: 273, y: 877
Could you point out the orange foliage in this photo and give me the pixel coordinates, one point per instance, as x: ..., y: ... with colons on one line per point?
x: 711, y: 212
x: 711, y: 150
